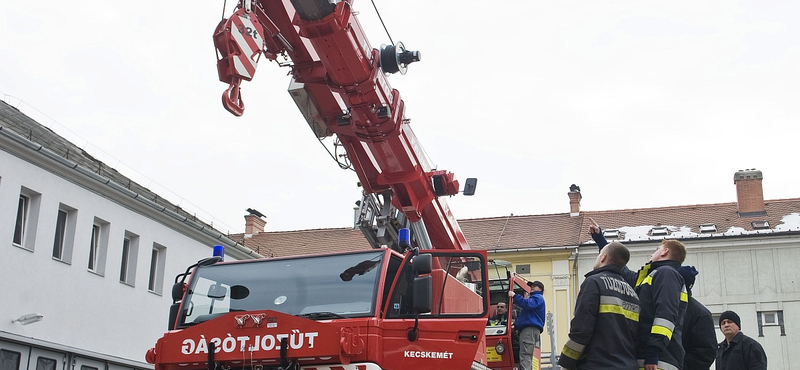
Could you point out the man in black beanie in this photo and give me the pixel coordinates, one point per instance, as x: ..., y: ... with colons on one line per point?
x: 699, y: 339
x: 738, y: 351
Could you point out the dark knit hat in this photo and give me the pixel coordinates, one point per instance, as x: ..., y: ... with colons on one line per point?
x: 730, y: 315
x: 536, y: 283
x: 688, y: 273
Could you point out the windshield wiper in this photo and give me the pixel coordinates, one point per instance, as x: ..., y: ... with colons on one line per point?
x: 321, y: 315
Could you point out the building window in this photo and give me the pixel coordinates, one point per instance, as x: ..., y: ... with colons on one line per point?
x: 44, y: 363
x: 708, y: 228
x: 64, y: 233
x: 760, y: 225
x: 130, y: 249
x: 94, y: 247
x: 98, y: 246
x: 659, y: 231
x: 770, y: 319
x: 523, y: 269
x: 22, y: 220
x: 61, y: 231
x: 611, y: 233
x: 9, y: 360
x: 27, y: 216
x: 84, y: 367
x: 157, y: 261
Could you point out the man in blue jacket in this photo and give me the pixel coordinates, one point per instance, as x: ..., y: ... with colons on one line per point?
x: 529, y: 322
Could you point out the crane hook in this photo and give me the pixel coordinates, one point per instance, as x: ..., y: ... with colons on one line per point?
x: 232, y: 99
x: 239, y: 42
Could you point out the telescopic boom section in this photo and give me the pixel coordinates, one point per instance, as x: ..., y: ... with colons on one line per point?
x: 344, y: 81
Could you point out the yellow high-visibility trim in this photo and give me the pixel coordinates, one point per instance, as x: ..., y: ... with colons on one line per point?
x: 642, y: 274
x: 571, y: 353
x: 646, y: 281
x: 662, y: 331
x: 610, y: 308
x: 684, y: 297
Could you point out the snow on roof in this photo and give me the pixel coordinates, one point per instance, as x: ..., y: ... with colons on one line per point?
x: 789, y: 222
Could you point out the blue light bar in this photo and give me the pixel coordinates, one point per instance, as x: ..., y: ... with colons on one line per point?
x: 404, y: 238
x: 219, y: 251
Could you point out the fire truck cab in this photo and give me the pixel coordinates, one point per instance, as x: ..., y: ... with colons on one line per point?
x: 377, y: 309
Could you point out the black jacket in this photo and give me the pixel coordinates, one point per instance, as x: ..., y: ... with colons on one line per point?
x: 743, y: 353
x: 602, y: 334
x: 663, y: 298
x: 699, y: 337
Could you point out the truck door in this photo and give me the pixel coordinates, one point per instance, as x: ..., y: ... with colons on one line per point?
x: 451, y: 335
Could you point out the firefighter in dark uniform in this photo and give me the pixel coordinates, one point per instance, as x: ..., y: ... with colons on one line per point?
x: 602, y: 335
x: 663, y: 299
x: 699, y: 336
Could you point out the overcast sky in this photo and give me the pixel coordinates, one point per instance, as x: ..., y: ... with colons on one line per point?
x: 640, y: 103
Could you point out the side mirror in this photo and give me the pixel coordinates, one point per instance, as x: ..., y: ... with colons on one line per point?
x: 470, y: 185
x: 422, y: 264
x: 177, y: 291
x: 217, y: 292
x: 173, y: 315
x: 423, y: 293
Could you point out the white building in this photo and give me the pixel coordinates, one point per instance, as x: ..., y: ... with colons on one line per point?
x: 89, y: 257
x: 747, y: 254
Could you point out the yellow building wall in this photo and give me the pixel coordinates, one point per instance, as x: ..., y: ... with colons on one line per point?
x: 559, y: 300
x: 562, y: 317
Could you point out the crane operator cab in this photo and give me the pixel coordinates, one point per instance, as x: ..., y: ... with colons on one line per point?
x: 502, y: 341
x: 500, y: 319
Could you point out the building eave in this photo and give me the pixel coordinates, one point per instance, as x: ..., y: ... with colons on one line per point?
x: 48, y: 160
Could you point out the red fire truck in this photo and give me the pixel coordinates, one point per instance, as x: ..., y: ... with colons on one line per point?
x: 420, y: 299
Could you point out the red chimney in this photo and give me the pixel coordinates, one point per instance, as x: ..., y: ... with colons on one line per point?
x: 749, y: 193
x: 574, y: 200
x: 253, y: 225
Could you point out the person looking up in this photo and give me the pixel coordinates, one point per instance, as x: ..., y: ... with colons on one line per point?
x: 529, y: 322
x: 602, y: 335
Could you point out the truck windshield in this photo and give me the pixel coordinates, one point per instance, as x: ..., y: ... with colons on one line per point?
x: 324, y: 287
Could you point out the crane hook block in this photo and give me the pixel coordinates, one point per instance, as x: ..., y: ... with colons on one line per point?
x: 239, y: 42
x: 395, y: 58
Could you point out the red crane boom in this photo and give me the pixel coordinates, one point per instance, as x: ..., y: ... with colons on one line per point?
x: 340, y: 84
